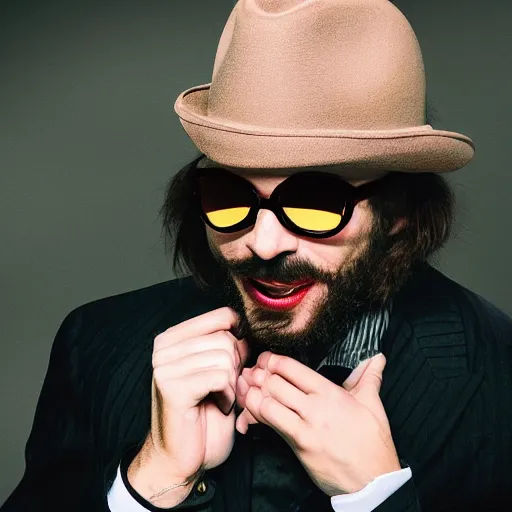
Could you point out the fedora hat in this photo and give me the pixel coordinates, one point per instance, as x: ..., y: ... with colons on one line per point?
x: 300, y: 83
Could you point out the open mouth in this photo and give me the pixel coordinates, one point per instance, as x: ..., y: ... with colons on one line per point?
x: 277, y: 290
x: 275, y: 295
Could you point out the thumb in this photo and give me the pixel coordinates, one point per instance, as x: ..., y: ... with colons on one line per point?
x: 370, y: 382
x: 356, y: 374
x: 367, y: 391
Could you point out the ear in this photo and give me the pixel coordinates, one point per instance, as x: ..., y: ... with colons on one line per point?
x: 399, y: 225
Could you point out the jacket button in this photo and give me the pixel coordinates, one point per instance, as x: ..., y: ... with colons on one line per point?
x: 201, y: 487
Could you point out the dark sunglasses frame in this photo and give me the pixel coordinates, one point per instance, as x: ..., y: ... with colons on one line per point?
x: 352, y: 196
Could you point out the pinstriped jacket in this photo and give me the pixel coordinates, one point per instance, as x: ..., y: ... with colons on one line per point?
x: 447, y: 390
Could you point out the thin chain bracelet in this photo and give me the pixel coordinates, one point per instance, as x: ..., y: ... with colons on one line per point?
x: 166, y: 489
x: 171, y: 487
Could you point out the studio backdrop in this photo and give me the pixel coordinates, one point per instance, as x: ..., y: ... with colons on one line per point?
x: 89, y: 140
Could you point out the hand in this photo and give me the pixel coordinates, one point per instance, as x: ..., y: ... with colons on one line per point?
x: 341, y: 435
x: 190, y: 431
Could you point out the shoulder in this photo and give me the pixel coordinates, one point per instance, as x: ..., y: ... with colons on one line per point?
x: 167, y: 293
x: 447, y: 380
x: 137, y: 313
x: 432, y: 296
x: 457, y: 330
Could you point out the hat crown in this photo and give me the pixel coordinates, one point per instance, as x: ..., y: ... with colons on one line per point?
x: 301, y: 83
x: 318, y: 64
x: 277, y: 6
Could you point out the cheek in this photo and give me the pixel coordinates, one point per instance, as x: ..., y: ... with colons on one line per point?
x: 333, y: 252
x: 356, y: 231
x: 359, y: 226
x: 229, y: 246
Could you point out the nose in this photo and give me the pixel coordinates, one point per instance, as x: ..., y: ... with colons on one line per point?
x: 268, y: 238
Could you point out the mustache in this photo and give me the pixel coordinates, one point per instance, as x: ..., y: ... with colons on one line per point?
x: 281, y: 268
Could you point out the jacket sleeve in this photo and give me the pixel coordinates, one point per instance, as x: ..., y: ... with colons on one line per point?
x: 61, y: 470
x: 404, y: 499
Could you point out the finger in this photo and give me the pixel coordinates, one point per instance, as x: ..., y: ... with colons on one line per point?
x: 196, y: 387
x: 198, y: 363
x: 241, y: 424
x: 272, y: 384
x: 271, y: 412
x: 255, y: 376
x: 356, y: 375
x: 243, y: 350
x: 221, y: 393
x: 221, y: 340
x: 366, y: 392
x: 222, y: 319
x: 248, y: 379
x: 301, y: 376
x: 371, y: 380
x: 241, y: 390
x: 287, y: 394
x: 225, y: 400
x: 244, y: 420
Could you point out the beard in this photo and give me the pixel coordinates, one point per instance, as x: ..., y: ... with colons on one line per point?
x: 358, y: 287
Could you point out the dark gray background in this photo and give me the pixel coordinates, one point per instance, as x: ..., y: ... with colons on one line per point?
x: 89, y: 138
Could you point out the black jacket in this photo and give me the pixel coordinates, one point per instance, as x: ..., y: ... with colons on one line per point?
x: 447, y: 390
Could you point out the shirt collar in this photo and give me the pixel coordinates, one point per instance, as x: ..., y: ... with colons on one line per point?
x: 362, y: 342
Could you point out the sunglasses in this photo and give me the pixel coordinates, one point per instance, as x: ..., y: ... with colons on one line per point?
x: 311, y: 204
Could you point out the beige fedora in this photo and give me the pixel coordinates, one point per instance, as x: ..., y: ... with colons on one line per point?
x: 300, y: 83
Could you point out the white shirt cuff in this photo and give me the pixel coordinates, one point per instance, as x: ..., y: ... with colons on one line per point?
x: 365, y: 500
x: 120, y: 500
x: 371, y: 496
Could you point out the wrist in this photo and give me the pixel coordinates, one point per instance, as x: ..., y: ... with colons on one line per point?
x: 363, y: 480
x: 152, y: 478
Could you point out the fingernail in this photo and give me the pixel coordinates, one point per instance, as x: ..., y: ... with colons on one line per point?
x: 239, y: 427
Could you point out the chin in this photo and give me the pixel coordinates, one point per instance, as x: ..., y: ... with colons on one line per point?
x: 301, y: 320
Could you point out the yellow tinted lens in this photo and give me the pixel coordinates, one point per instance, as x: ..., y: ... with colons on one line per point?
x: 313, y: 220
x: 228, y: 216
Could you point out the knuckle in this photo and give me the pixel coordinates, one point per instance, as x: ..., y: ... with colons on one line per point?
x: 283, y: 363
x: 159, y: 374
x: 267, y: 406
x: 155, y: 360
x: 159, y: 341
x: 273, y: 382
x: 302, y: 439
x: 274, y: 360
x: 223, y: 339
x: 163, y: 340
x: 161, y: 357
x: 229, y: 347
x: 228, y: 317
x: 219, y: 380
x: 225, y: 359
x: 251, y: 399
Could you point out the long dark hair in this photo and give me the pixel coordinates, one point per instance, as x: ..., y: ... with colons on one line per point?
x: 422, y: 202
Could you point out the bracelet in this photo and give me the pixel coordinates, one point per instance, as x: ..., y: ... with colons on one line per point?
x: 171, y: 487
x: 166, y: 489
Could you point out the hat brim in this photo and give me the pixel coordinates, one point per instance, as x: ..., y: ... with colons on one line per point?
x: 417, y: 149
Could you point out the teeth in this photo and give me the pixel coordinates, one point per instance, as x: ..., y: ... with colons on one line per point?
x: 275, y: 291
x: 281, y: 293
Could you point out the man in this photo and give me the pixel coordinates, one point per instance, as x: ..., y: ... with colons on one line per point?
x: 306, y: 222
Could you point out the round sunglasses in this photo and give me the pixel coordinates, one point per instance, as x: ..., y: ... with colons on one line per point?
x: 312, y: 204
